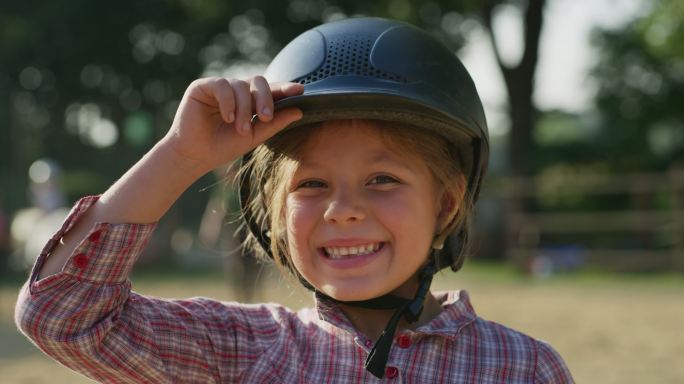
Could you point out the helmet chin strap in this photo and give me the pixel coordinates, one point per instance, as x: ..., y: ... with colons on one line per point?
x: 409, y: 308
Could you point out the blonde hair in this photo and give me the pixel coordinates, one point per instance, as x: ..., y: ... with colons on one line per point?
x: 271, y: 165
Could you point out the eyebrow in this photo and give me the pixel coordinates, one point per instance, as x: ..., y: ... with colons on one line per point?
x: 376, y: 157
x: 380, y: 157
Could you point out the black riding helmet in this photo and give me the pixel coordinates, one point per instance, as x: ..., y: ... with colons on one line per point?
x: 372, y: 68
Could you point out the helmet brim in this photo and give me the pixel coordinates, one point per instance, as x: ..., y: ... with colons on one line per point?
x: 387, y: 106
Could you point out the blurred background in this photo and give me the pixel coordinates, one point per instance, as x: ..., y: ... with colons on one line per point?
x: 580, y: 228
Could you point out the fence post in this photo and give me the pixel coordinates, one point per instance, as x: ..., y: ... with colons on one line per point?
x: 514, y: 195
x: 677, y: 182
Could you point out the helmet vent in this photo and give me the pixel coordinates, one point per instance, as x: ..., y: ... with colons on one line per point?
x: 348, y: 57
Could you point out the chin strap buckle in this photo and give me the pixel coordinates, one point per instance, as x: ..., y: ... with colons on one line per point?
x: 377, y: 358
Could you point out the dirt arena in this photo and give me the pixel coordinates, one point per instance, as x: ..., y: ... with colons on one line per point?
x: 609, y: 329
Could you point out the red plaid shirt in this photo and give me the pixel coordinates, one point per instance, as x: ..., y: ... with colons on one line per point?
x: 87, y: 318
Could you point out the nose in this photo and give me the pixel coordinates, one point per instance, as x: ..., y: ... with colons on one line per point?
x: 345, y: 207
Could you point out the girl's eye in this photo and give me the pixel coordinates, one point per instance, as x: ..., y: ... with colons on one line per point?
x: 311, y: 184
x: 383, y: 179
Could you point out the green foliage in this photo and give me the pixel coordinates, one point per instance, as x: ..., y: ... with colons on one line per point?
x: 95, y: 84
x: 640, y: 77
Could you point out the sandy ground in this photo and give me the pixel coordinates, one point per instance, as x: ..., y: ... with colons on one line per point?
x: 609, y: 330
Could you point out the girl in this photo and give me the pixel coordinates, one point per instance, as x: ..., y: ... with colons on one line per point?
x: 363, y: 197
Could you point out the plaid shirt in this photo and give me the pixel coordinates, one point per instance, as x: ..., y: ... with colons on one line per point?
x: 87, y: 318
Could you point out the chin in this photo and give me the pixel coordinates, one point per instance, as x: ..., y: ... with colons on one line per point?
x: 346, y: 294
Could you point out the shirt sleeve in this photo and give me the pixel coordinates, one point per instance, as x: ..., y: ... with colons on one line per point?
x: 87, y: 318
x: 550, y: 366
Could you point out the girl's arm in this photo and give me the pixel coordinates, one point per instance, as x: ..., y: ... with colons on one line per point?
x: 212, y: 127
x: 77, y: 305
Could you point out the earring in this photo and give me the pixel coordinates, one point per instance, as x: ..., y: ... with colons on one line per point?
x: 437, y: 244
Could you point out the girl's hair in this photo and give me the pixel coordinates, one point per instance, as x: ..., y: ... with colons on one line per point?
x: 274, y: 163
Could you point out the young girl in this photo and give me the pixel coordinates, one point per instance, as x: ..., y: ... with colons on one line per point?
x: 364, y: 197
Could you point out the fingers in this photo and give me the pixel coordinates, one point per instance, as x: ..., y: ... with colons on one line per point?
x: 253, y: 98
x: 263, y: 100
x: 264, y: 130
x: 282, y: 90
x: 243, y: 105
x: 225, y: 98
x: 213, y: 92
x: 238, y: 100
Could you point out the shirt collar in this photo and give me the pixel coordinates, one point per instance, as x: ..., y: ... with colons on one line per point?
x: 457, y: 313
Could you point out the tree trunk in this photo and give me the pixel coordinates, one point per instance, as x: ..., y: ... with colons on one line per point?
x: 519, y: 80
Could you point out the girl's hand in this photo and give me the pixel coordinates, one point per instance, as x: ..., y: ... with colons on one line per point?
x: 211, y: 127
x: 213, y: 123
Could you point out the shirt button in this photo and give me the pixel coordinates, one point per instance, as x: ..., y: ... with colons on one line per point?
x: 369, y: 343
x: 391, y: 372
x: 404, y: 341
x: 95, y: 236
x: 81, y: 260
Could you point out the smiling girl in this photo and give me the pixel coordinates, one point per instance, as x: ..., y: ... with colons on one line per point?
x: 362, y: 156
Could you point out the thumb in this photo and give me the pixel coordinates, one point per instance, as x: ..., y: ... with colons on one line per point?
x: 264, y: 130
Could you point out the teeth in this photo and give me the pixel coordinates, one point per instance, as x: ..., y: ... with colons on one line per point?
x: 360, y: 250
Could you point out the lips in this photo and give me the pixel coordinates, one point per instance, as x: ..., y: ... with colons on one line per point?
x: 348, y: 252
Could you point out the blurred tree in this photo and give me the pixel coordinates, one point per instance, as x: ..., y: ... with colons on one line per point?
x: 519, y: 80
x: 640, y: 78
x: 111, y: 74
x: 94, y: 84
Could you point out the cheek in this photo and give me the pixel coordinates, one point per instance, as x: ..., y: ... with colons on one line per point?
x: 407, y: 214
x: 299, y: 222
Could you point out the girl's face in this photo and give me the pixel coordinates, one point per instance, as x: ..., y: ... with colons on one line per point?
x: 360, y: 217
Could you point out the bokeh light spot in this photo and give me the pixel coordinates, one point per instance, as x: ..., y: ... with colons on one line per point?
x: 40, y: 172
x: 137, y: 129
x: 30, y: 78
x: 103, y: 133
x: 91, y: 76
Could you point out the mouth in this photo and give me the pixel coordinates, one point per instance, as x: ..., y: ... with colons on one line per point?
x: 338, y: 253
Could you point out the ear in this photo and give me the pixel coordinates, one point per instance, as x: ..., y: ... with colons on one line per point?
x: 449, y: 203
x: 447, y: 206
